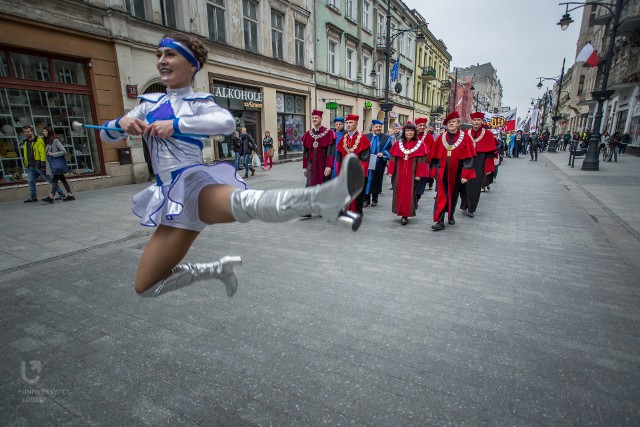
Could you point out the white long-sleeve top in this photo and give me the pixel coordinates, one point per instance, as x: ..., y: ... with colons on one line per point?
x: 192, y: 112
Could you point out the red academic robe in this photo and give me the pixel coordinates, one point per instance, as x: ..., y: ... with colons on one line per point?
x: 448, y: 175
x: 317, y: 157
x: 484, y: 143
x: 359, y: 145
x: 404, y: 168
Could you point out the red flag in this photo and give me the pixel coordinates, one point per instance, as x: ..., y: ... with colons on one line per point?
x: 588, y: 55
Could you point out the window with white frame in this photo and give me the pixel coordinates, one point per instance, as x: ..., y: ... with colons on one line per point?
x: 350, y: 62
x: 401, y: 81
x: 380, y: 77
x: 299, y: 33
x: 366, y: 15
x: 352, y: 9
x: 408, y: 88
x: 250, y: 25
x: 333, y: 57
x: 277, y: 36
x: 366, y: 64
x: 381, y: 33
x: 215, y: 19
x: 169, y: 13
x: 135, y: 8
x: 333, y: 4
x: 409, y: 46
x: 401, y: 44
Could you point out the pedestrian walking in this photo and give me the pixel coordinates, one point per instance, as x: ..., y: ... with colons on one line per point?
x: 354, y: 142
x: 56, y: 164
x: 237, y: 148
x: 318, y: 151
x: 534, y: 145
x: 453, y: 154
x: 485, y: 147
x: 189, y: 194
x: 409, y: 163
x: 35, y: 162
x: 380, y: 145
x: 267, y: 151
x: 427, y: 139
x: 248, y: 147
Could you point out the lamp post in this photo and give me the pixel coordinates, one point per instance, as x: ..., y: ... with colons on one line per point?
x: 559, y: 82
x: 591, y: 161
x: 389, y: 38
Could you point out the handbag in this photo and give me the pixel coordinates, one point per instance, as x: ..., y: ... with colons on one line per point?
x: 58, y: 165
x: 270, y: 152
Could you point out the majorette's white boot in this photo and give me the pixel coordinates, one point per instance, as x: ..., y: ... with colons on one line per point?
x: 328, y: 199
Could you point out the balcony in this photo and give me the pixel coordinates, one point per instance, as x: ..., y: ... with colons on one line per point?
x: 381, y: 46
x: 446, y: 86
x: 428, y: 74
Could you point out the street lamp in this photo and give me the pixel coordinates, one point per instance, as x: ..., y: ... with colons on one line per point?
x: 420, y: 38
x: 555, y: 117
x: 591, y: 161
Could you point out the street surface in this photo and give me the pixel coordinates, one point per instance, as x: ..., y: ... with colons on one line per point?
x: 526, y: 315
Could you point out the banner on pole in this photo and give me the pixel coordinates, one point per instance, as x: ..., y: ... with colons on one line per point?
x: 503, y: 121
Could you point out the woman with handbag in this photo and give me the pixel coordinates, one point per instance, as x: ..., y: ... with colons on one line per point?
x: 56, y: 164
x: 267, y: 153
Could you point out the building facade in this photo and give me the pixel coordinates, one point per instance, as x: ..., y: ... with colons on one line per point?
x: 487, y: 86
x: 621, y: 111
x: 351, y: 59
x: 100, y: 54
x: 433, y: 86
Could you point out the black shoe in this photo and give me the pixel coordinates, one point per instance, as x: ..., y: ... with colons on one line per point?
x: 47, y: 199
x: 253, y: 171
x: 366, y: 204
x: 68, y: 198
x: 452, y: 221
x: 374, y: 204
x: 438, y: 226
x: 60, y: 197
x: 404, y: 220
x: 30, y: 201
x: 246, y: 176
x: 470, y: 214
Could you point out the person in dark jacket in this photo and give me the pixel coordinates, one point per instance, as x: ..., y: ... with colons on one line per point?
x: 237, y: 148
x: 248, y: 145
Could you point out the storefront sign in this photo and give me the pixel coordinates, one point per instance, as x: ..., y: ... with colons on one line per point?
x: 250, y: 98
x: 368, y: 105
x: 132, y: 91
x: 331, y: 105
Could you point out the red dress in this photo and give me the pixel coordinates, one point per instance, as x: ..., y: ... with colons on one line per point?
x: 408, y: 160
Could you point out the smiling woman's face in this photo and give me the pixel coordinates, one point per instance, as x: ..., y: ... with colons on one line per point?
x: 175, y: 71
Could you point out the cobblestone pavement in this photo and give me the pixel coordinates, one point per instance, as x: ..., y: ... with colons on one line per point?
x: 527, y: 314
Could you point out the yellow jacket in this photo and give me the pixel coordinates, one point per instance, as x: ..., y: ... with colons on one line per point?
x: 38, y: 151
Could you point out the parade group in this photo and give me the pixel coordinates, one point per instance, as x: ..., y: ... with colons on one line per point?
x: 459, y: 164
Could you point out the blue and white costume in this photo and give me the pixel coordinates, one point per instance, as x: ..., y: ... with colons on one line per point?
x: 177, y: 161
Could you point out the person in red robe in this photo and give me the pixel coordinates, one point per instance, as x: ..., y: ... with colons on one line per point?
x: 408, y: 165
x: 357, y: 143
x: 485, y: 145
x: 427, y: 139
x: 453, y: 155
x: 318, y: 151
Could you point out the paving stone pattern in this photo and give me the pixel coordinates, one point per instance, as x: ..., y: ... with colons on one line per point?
x: 517, y: 317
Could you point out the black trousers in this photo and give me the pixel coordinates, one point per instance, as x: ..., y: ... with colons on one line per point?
x: 470, y: 193
x: 61, y: 178
x: 534, y: 150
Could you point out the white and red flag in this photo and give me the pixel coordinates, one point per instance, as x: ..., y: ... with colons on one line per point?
x: 588, y: 55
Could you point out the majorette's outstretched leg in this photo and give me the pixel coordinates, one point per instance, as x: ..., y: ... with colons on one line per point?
x: 328, y: 199
x: 185, y: 274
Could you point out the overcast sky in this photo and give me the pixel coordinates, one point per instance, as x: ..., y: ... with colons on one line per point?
x: 519, y: 37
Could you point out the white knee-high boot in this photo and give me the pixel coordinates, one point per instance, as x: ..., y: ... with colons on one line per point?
x: 328, y: 199
x: 188, y: 273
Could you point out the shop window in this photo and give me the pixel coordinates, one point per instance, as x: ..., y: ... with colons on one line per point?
x: 299, y: 44
x: 277, y: 21
x: 136, y: 8
x: 4, y: 67
x: 250, y: 25
x: 215, y: 17
x: 41, y: 109
x: 30, y: 67
x: 169, y: 13
x: 69, y: 72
